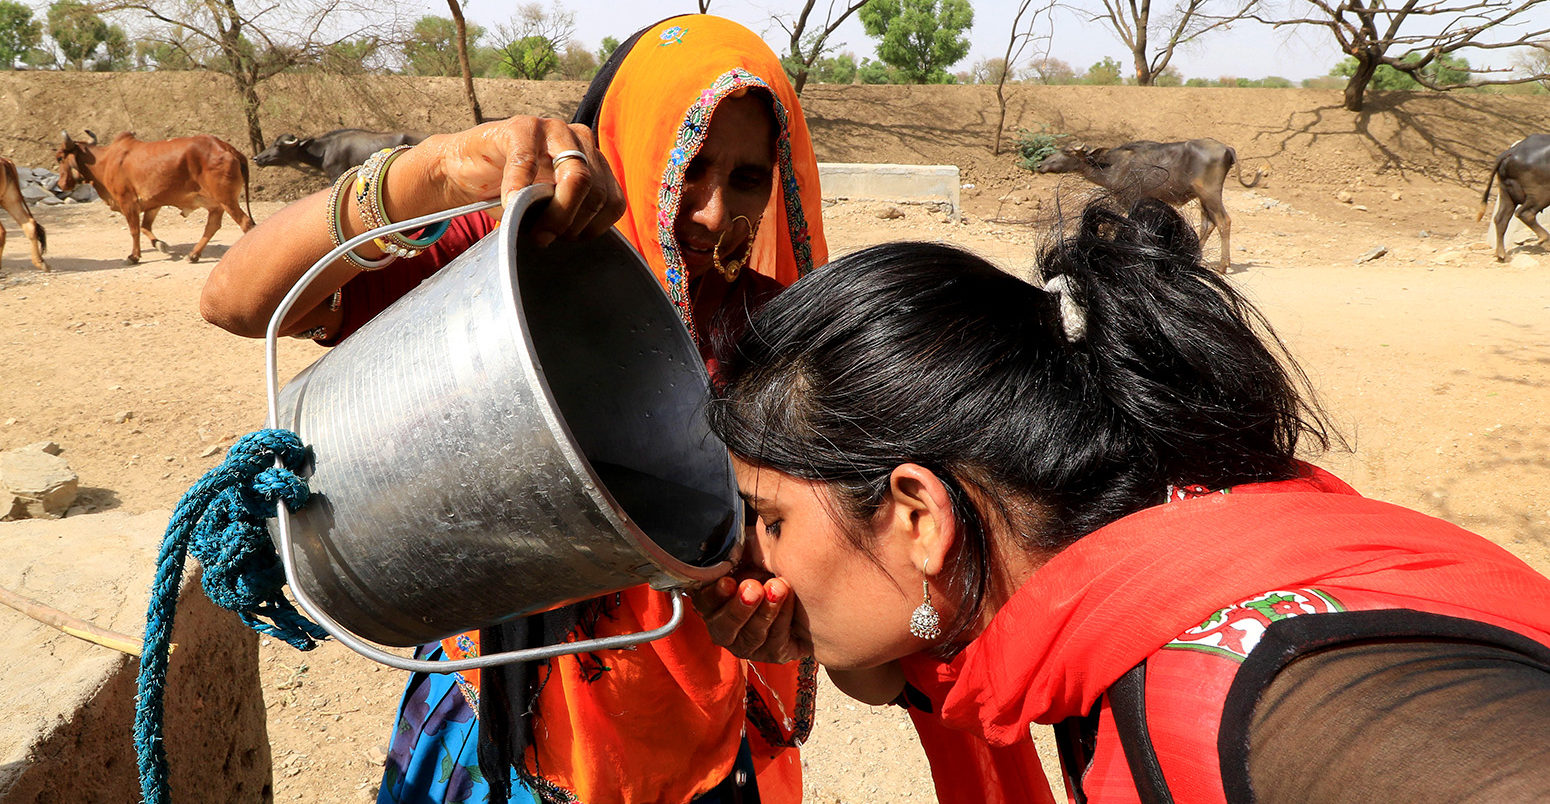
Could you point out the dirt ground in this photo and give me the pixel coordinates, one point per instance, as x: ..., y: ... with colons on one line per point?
x: 1433, y: 360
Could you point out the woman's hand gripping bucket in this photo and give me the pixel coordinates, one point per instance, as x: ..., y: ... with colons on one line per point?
x: 523, y: 430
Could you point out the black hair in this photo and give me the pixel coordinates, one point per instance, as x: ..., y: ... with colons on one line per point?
x: 924, y: 353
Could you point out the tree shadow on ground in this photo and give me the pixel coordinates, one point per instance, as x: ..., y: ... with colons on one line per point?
x: 1445, y: 127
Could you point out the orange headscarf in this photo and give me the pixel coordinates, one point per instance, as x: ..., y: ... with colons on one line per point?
x: 656, y: 115
x: 664, y: 722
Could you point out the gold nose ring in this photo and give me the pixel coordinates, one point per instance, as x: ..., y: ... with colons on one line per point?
x: 732, y: 267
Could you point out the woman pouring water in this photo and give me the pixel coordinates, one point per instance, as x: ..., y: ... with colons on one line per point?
x: 693, y: 143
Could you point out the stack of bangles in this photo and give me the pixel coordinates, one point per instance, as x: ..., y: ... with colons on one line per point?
x: 368, y: 180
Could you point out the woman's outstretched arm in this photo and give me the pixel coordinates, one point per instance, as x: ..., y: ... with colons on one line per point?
x: 445, y: 171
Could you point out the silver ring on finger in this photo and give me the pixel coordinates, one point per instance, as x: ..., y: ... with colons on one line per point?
x: 571, y: 154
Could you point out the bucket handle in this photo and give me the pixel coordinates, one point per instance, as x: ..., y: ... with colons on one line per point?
x: 520, y: 203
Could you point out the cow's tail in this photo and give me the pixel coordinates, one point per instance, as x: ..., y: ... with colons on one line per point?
x: 1485, y: 200
x: 247, y: 200
x: 1232, y: 162
x: 37, y: 229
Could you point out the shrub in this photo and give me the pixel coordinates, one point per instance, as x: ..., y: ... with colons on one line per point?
x: 1034, y: 146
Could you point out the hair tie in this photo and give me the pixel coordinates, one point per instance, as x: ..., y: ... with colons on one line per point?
x: 1073, y: 319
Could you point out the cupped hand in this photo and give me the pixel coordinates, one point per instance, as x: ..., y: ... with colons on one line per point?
x: 752, y: 618
x: 499, y: 158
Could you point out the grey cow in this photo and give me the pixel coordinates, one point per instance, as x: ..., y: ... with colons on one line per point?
x: 1524, y: 170
x: 1172, y: 172
x: 334, y: 152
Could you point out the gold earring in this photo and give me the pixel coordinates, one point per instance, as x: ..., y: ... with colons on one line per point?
x: 925, y: 623
x: 731, y: 268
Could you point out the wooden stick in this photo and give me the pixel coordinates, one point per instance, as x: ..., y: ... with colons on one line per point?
x: 74, y: 626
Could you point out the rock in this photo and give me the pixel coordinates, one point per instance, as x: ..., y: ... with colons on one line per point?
x: 35, y: 484
x: 1269, y: 203
x: 123, y: 416
x: 1360, y: 208
x: 891, y: 213
x: 44, y: 446
x: 1521, y: 260
x: 1397, y: 196
x: 1376, y: 252
x: 1424, y: 233
x: 83, y: 193
x: 213, y: 449
x: 1344, y: 197
x: 33, y: 193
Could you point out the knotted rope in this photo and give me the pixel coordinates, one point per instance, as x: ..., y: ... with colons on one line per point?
x: 220, y: 520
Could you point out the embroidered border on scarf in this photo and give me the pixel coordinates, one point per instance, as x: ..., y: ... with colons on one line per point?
x: 691, y: 136
x: 772, y: 730
x: 1233, y: 632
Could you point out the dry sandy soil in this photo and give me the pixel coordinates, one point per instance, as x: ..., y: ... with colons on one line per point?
x: 1434, y: 360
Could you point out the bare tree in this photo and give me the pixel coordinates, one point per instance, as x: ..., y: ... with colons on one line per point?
x: 1435, y: 31
x: 704, y: 6
x: 1022, y: 36
x: 250, y: 42
x: 808, y: 46
x: 1141, y: 28
x: 462, y: 60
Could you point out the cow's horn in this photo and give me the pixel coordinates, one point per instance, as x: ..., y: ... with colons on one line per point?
x: 90, y: 137
x: 67, y: 136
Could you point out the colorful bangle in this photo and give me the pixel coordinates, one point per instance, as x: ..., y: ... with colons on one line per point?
x: 368, y: 196
x: 336, y: 225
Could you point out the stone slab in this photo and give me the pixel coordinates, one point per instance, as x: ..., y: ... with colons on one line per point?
x: 903, y: 184
x: 69, y: 704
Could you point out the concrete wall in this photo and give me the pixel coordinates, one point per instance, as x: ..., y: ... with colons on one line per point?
x: 69, y: 704
x: 901, y: 184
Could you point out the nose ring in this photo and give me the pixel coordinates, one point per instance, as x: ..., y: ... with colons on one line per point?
x: 732, y: 267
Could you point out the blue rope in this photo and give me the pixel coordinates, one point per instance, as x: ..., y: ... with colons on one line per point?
x: 220, y: 521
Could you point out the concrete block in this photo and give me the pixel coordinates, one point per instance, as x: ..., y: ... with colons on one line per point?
x: 901, y: 184
x: 69, y: 704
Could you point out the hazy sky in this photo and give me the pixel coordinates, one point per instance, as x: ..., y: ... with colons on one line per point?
x: 1248, y: 50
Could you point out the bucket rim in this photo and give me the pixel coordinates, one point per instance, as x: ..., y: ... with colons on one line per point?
x: 666, y: 571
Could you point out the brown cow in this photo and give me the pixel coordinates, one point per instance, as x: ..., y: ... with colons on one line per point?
x: 11, y: 199
x: 1171, y: 172
x: 139, y: 178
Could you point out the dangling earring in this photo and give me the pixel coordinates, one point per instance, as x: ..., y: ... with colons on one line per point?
x: 925, y: 623
x: 730, y: 269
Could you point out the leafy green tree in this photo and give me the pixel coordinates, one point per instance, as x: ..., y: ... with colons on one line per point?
x: 607, y: 49
x: 1445, y: 69
x: 153, y: 54
x: 839, y: 69
x: 876, y: 72
x: 531, y: 43
x: 1103, y: 73
x: 431, y: 47
x: 919, y: 38
x: 531, y: 57
x: 77, y: 30
x: 19, y: 33
x: 116, y: 53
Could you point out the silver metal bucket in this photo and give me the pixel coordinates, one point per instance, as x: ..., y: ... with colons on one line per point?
x: 523, y: 430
